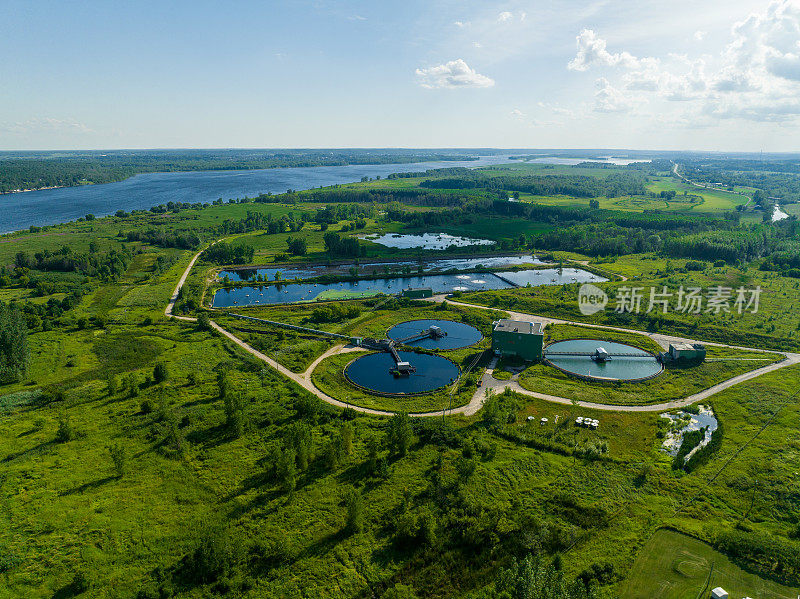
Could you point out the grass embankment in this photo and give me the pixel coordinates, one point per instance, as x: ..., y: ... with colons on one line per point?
x: 329, y: 377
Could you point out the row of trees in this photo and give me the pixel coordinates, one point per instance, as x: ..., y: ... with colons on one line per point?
x: 227, y: 253
x: 108, y: 265
x: 14, y: 353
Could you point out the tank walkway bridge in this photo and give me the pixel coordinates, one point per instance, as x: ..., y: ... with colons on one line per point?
x: 401, y: 368
x: 787, y: 359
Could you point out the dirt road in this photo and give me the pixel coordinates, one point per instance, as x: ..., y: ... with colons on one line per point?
x: 489, y: 383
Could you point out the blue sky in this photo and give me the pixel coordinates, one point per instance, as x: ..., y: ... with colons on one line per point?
x: 712, y: 75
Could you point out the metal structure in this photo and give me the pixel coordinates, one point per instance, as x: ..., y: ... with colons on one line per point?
x: 401, y: 367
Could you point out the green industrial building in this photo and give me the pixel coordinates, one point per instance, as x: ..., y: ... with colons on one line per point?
x: 686, y: 352
x: 418, y: 293
x: 518, y: 338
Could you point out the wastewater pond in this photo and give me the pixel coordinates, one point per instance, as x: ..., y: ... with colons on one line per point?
x: 457, y: 334
x: 426, y: 241
x: 311, y: 271
x: 308, y: 292
x: 618, y: 367
x: 551, y: 276
x: 439, y: 283
x: 372, y: 371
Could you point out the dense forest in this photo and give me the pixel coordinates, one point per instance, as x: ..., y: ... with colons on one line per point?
x: 581, y: 186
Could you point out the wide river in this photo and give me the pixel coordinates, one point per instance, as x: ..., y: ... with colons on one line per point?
x: 53, y: 206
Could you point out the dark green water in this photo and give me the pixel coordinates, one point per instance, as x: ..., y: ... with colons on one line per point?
x: 372, y: 372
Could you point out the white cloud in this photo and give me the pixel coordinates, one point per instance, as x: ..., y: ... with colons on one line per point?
x: 477, y: 45
x: 700, y: 35
x: 608, y: 98
x: 518, y: 114
x: 46, y: 124
x: 592, y: 52
x: 357, y: 18
x: 461, y: 24
x: 452, y: 75
x: 505, y: 16
x: 756, y: 77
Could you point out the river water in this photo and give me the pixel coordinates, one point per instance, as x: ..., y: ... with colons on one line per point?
x: 53, y: 206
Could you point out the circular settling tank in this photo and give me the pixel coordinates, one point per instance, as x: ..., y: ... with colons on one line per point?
x: 617, y: 367
x: 373, y: 372
x: 451, y: 335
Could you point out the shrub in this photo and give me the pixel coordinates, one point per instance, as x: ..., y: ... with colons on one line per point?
x: 399, y: 435
x: 160, y: 373
x: 355, y: 511
x: 65, y: 431
x: 217, y: 553
x: 204, y: 321
x: 119, y: 458
x: 112, y: 385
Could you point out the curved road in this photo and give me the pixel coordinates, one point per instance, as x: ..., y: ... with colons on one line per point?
x: 489, y: 383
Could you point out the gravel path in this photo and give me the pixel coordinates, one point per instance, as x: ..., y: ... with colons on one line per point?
x: 488, y: 382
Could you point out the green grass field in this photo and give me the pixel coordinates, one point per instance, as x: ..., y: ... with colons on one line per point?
x: 203, y: 450
x: 672, y: 565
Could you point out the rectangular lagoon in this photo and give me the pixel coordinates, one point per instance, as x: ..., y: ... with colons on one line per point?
x: 406, y: 267
x: 440, y: 283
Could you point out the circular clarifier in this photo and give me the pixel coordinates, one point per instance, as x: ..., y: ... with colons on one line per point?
x: 373, y: 372
x: 456, y: 334
x: 618, y: 368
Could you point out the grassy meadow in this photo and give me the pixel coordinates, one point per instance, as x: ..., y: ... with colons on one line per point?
x: 149, y: 457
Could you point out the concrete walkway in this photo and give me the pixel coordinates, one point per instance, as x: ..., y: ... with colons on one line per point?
x: 488, y: 383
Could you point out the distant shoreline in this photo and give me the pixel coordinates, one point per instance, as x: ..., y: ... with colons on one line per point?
x: 37, y: 189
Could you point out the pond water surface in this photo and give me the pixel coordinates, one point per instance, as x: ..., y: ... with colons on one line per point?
x: 372, y: 371
x: 617, y: 368
x: 458, y: 334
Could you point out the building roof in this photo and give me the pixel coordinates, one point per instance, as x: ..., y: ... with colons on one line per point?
x: 524, y: 327
x: 682, y: 346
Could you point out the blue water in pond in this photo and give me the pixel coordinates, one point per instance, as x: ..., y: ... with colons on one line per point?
x: 52, y: 206
x: 308, y: 272
x: 278, y: 294
x: 372, y: 371
x: 617, y: 368
x: 426, y: 241
x: 458, y: 334
x: 551, y: 276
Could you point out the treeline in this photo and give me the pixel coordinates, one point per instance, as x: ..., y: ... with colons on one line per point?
x: 226, y: 253
x: 581, y: 186
x: 347, y: 247
x: 34, y: 170
x: 778, y: 178
x: 338, y: 212
x: 14, y: 353
x: 19, y: 174
x: 767, y: 552
x: 107, y: 265
x: 256, y: 221
x: 181, y: 239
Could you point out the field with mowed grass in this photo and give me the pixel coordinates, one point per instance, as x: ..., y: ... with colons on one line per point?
x: 672, y: 565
